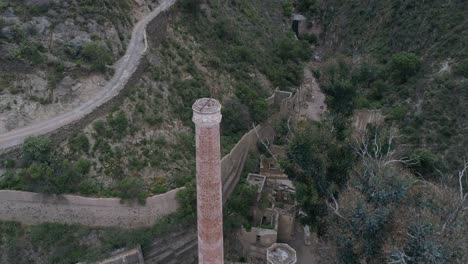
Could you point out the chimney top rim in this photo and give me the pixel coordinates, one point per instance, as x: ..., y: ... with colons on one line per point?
x: 206, y: 106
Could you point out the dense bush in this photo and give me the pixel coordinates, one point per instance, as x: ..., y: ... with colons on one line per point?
x: 31, y: 51
x: 190, y: 5
x: 97, y: 55
x: 307, y: 6
x: 237, y: 210
x: 132, y: 188
x: 404, y: 65
x: 37, y: 149
x: 462, y: 68
x: 288, y: 8
x: 187, y: 199
x: 118, y: 123
x: 46, y: 171
x: 320, y: 165
x: 236, y: 117
x: 256, y: 103
x: 79, y: 143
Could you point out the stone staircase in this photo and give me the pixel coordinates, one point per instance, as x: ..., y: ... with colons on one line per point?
x: 176, y: 248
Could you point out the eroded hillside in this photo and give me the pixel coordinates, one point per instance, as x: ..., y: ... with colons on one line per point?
x: 56, y: 55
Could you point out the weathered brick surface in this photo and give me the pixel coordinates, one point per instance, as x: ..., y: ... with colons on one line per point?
x: 209, y: 185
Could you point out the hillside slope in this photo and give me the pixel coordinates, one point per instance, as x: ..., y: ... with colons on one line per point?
x: 237, y: 52
x: 55, y: 54
x: 430, y: 103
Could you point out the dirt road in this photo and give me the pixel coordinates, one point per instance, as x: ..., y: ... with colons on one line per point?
x: 124, y: 68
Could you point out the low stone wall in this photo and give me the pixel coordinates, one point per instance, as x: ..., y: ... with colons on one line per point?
x: 363, y: 117
x: 34, y: 208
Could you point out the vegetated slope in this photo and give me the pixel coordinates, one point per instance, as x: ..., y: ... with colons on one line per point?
x: 237, y: 53
x: 410, y: 58
x: 396, y: 195
x: 54, y: 54
x: 146, y: 145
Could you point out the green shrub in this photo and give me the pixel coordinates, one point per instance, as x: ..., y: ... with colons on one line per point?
x: 31, y: 52
x: 462, y: 68
x: 9, y: 164
x: 288, y: 48
x: 317, y: 73
x: 307, y: 6
x: 311, y: 38
x: 131, y: 188
x: 101, y: 130
x: 37, y: 149
x: 153, y: 118
x: 97, y: 55
x: 119, y: 123
x: 404, y: 65
x: 425, y: 161
x: 422, y: 247
x: 288, y: 8
x: 187, y: 199
x: 252, y: 98
x: 190, y: 5
x: 79, y: 143
x: 319, y: 164
x: 341, y: 97
x: 236, y: 117
x: 397, y: 113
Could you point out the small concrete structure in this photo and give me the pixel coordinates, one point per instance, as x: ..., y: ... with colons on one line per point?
x: 298, y: 24
x: 273, y: 215
x: 363, y: 118
x: 281, y: 254
x: 133, y: 256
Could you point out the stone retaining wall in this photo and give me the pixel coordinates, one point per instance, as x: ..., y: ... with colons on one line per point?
x: 34, y: 208
x: 233, y: 163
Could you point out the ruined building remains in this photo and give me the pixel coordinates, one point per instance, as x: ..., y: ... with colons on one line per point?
x: 207, y: 116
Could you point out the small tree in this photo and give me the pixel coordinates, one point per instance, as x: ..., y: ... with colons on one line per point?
x: 288, y: 8
x: 190, y: 5
x: 236, y: 117
x: 308, y: 6
x: 462, y: 68
x: 187, y: 200
x: 404, y: 65
x: 131, y: 188
x: 97, y: 55
x: 119, y: 123
x: 342, y: 97
x: 79, y: 143
x: 37, y: 149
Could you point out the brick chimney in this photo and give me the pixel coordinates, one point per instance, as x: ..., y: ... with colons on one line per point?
x: 207, y: 116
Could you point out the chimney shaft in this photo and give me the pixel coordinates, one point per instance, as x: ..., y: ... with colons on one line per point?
x: 207, y: 116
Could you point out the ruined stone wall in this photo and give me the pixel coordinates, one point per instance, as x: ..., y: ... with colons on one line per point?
x: 233, y: 163
x: 34, y: 208
x: 362, y: 118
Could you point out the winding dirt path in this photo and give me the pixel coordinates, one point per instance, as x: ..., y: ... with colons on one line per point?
x: 124, y: 69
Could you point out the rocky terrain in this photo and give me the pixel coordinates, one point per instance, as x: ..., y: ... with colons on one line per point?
x: 55, y: 55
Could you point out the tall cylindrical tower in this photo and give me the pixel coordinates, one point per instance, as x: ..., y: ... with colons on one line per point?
x: 207, y: 116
